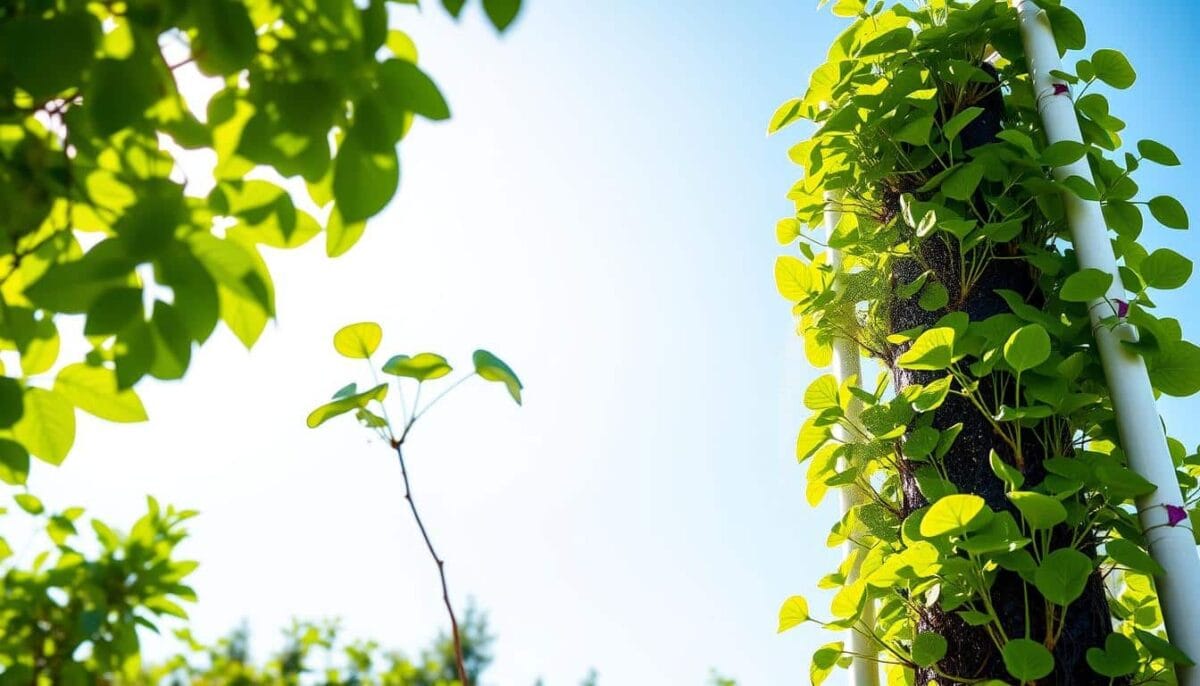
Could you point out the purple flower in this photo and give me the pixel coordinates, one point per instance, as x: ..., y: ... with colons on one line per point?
x: 1122, y: 308
x: 1175, y: 514
x: 1060, y: 89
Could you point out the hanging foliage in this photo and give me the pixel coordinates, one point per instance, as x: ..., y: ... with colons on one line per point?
x: 996, y: 534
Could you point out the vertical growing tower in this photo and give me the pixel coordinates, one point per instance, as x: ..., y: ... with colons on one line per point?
x: 994, y: 497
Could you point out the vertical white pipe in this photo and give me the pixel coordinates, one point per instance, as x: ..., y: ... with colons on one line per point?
x: 846, y: 364
x: 1142, y: 437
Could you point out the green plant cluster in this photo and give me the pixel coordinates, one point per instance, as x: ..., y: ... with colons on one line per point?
x: 72, y: 616
x: 893, y: 103
x: 98, y: 221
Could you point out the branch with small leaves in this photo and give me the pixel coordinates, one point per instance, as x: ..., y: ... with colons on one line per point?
x: 361, y: 341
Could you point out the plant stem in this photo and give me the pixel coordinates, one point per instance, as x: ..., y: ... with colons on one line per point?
x: 441, y: 566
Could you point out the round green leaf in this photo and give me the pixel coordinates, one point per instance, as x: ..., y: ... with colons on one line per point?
x: 932, y: 351
x: 1165, y: 269
x: 1063, y: 575
x: 1039, y: 510
x: 1085, y: 285
x: 1112, y: 67
x: 11, y: 394
x: 46, y: 55
x: 955, y: 514
x: 406, y: 88
x: 1175, y: 370
x: 365, y: 177
x: 1169, y: 212
x: 1027, y: 660
x: 358, y: 341
x: 822, y: 393
x: 794, y: 612
x: 1027, y: 347
x: 14, y: 462
x: 493, y: 368
x: 928, y: 648
x: 47, y: 429
x: 225, y: 40
x: 1131, y: 555
x: 1118, y: 658
x: 1157, y: 152
x: 422, y: 367
x: 94, y: 390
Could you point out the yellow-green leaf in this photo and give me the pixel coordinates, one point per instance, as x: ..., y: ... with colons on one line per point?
x: 94, y: 390
x: 358, y: 341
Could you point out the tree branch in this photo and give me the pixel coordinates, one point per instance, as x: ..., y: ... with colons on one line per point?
x: 441, y: 565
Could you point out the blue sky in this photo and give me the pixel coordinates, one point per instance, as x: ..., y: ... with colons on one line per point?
x: 600, y: 213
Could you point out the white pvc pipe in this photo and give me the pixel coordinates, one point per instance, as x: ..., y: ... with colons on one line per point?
x: 1142, y: 437
x: 845, y: 365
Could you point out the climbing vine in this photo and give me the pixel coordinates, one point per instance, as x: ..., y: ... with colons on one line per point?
x: 996, y: 532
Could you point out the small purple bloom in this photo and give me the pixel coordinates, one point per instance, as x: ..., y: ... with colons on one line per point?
x: 1175, y: 514
x: 1122, y: 308
x: 1060, y: 89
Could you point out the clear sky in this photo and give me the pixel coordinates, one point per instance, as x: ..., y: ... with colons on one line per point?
x: 599, y: 212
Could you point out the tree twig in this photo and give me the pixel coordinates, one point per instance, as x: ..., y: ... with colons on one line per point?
x: 441, y: 565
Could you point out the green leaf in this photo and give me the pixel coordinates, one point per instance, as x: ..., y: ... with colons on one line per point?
x: 961, y: 184
x: 958, y: 122
x: 340, y: 236
x: 822, y: 393
x: 113, y: 311
x: 47, y: 429
x: 1027, y: 347
x: 14, y: 462
x: 933, y: 297
x: 928, y: 648
x: 1175, y: 370
x: 1027, y: 660
x: 1085, y: 286
x: 1040, y: 511
x: 955, y: 514
x: 1160, y: 648
x: 422, y: 367
x: 1118, y: 658
x: 364, y: 177
x: 1131, y: 555
x: 47, y: 55
x: 1113, y: 68
x: 1005, y: 472
x: 94, y: 390
x: 824, y: 659
x: 30, y: 503
x: 932, y: 351
x: 406, y: 88
x: 493, y: 368
x: 11, y: 407
x: 225, y: 41
x: 915, y: 131
x: 502, y: 12
x: 1169, y: 212
x: 358, y: 341
x: 119, y: 92
x: 1165, y: 269
x: 1157, y: 152
x: 1063, y: 575
x: 343, y: 405
x: 1063, y: 153
x: 792, y: 613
